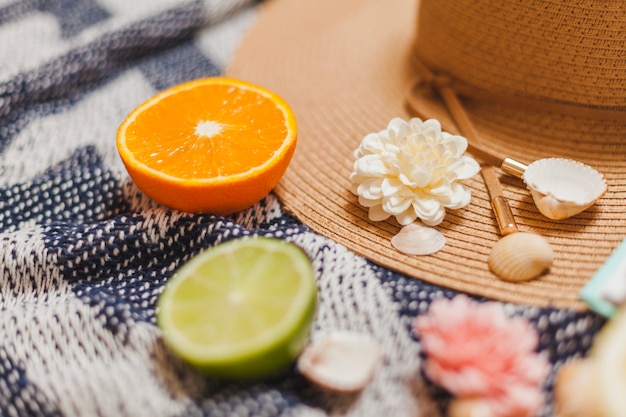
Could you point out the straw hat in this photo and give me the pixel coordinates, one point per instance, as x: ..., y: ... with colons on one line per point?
x: 537, y: 79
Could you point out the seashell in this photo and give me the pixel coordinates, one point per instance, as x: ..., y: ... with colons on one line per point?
x: 520, y: 256
x: 418, y: 239
x: 575, y: 389
x: 563, y: 188
x: 341, y: 361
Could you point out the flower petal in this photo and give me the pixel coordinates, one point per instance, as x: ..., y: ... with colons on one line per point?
x: 390, y: 186
x: 396, y: 205
x: 406, y: 217
x: 365, y: 202
x: 376, y: 214
x: 372, y: 144
x: 426, y: 207
x: 371, y: 165
x: 469, y: 169
x: 415, y: 176
x: 371, y: 189
x: 459, y: 197
x: 456, y: 144
x: 435, y: 219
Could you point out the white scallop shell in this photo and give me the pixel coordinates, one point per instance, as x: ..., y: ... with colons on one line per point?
x: 418, y: 239
x: 563, y: 188
x: 342, y: 361
x: 520, y: 256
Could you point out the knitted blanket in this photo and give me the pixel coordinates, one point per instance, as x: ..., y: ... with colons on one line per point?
x: 85, y: 254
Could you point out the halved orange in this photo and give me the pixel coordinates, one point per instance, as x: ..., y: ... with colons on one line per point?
x: 216, y: 145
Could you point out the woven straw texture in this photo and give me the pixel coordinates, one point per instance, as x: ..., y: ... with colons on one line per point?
x: 337, y: 105
x: 84, y: 254
x: 557, y: 50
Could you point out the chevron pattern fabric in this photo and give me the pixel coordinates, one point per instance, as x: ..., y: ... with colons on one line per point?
x: 85, y: 254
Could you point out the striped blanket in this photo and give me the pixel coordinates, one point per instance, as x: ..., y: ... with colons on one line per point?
x: 85, y: 254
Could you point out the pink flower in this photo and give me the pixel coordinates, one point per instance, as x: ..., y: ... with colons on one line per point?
x: 475, y: 351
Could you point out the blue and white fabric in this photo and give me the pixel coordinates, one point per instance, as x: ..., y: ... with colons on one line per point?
x: 85, y: 254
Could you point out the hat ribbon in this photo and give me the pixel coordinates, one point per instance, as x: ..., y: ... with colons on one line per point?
x: 442, y: 85
x: 450, y: 89
x: 499, y: 204
x: 463, y: 89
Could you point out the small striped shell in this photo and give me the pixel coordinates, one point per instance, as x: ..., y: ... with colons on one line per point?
x: 520, y: 256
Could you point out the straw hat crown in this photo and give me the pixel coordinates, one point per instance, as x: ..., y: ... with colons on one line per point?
x: 570, y: 52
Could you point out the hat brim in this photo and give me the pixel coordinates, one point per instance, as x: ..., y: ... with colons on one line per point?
x: 345, y: 67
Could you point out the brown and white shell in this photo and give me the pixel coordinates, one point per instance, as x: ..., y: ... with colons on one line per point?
x: 521, y: 256
x: 563, y: 188
x: 341, y: 361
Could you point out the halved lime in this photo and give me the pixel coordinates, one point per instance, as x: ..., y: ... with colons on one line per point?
x: 242, y: 309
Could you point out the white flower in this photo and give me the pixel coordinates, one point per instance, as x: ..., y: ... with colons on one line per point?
x: 412, y: 170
